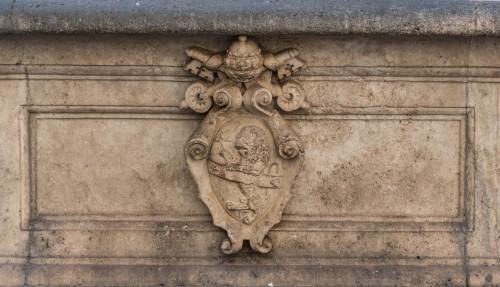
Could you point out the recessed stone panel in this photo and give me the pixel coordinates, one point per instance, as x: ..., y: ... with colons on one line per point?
x: 122, y: 165
x: 386, y: 167
x: 399, y: 184
x: 110, y: 164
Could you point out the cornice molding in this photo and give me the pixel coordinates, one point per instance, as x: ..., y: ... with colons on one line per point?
x: 337, y: 17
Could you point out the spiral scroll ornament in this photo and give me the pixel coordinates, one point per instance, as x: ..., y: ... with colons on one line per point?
x: 290, y: 149
x: 292, y: 98
x: 259, y: 100
x: 229, y: 97
x: 197, y: 149
x: 229, y: 246
x: 197, y: 98
x: 264, y: 247
x: 262, y: 97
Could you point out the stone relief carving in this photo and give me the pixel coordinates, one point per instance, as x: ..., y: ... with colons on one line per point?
x: 244, y: 156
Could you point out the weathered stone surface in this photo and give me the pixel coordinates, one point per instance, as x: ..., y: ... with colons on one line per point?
x: 13, y: 242
x: 244, y: 156
x: 424, y: 17
x: 399, y: 185
x: 70, y: 152
x: 380, y: 167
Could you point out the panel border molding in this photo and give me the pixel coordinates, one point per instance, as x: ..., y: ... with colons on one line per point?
x: 41, y: 72
x: 31, y: 221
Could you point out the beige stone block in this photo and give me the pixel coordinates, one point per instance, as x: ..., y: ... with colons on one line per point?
x: 119, y: 165
x: 333, y: 93
x: 485, y: 52
x: 12, y: 239
x: 106, y: 50
x: 301, y: 247
x: 387, y: 245
x: 250, y: 274
x: 341, y: 94
x: 399, y: 185
x: 318, y: 247
x: 483, y: 241
x: 485, y: 275
x: 374, y: 51
x: 112, y: 92
x: 11, y: 274
x: 11, y: 47
x: 317, y: 50
x: 168, y: 242
x: 404, y: 167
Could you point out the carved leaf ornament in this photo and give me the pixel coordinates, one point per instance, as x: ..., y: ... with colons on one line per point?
x: 244, y: 156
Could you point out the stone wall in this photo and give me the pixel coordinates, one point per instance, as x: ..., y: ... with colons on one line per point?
x: 399, y: 185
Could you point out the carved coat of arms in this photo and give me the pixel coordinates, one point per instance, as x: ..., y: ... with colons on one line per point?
x: 244, y: 156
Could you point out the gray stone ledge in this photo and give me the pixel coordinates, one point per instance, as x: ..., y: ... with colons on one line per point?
x: 335, y: 17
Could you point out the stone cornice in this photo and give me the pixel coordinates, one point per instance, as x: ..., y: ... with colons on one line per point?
x: 337, y: 17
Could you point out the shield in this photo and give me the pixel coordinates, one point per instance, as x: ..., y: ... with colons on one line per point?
x: 244, y: 156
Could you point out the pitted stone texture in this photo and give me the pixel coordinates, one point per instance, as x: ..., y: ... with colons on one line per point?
x: 244, y: 156
x: 12, y: 96
x: 337, y: 17
x: 401, y: 154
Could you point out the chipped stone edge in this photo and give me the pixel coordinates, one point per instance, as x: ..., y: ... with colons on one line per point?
x: 321, y: 17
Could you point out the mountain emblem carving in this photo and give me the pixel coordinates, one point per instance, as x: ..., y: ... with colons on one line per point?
x: 244, y: 156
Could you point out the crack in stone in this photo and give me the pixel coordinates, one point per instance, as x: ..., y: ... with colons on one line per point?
x: 11, y: 11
